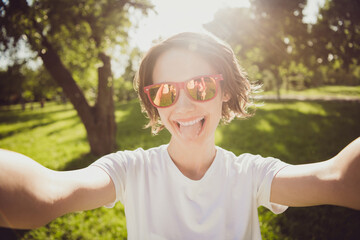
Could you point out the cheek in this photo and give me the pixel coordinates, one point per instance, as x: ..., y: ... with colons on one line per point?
x: 163, y: 113
x: 218, y: 106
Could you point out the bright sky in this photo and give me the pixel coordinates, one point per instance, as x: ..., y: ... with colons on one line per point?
x: 178, y: 16
x: 189, y: 15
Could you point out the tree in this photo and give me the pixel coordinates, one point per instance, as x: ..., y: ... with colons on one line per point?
x: 11, y: 84
x: 21, y: 84
x: 336, y: 36
x: 71, y: 37
x: 267, y: 34
x: 39, y: 85
x: 124, y: 88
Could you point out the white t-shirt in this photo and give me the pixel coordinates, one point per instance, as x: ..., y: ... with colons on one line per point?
x: 161, y: 203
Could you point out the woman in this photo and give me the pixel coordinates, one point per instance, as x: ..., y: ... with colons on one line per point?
x: 189, y: 188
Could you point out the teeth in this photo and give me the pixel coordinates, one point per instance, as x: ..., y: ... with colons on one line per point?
x: 185, y: 124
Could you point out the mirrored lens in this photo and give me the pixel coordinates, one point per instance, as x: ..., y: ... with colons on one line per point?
x: 163, y: 95
x: 202, y: 89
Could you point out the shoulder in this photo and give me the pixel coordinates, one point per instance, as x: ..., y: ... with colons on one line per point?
x: 137, y: 154
x: 132, y: 158
x: 248, y: 161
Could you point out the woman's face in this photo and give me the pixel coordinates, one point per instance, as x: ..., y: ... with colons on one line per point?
x: 188, y: 121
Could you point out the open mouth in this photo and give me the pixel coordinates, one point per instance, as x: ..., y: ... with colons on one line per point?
x: 191, y: 123
x: 191, y: 129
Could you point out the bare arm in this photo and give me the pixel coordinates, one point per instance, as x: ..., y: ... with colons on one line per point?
x: 32, y: 195
x: 335, y: 181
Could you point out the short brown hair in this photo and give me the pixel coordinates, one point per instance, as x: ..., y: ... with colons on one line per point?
x: 218, y: 54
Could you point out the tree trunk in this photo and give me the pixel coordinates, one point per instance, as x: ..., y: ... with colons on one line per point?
x: 42, y: 102
x: 99, y: 121
x: 102, y: 135
x: 23, y: 103
x: 277, y: 84
x: 278, y: 96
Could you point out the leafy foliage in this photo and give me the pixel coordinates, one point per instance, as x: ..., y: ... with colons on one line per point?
x: 275, y: 45
x: 20, y: 84
x: 11, y: 82
x: 77, y: 30
x: 265, y: 35
x: 73, y: 39
x: 337, y: 33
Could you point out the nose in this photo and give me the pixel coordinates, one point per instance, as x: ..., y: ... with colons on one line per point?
x: 184, y: 103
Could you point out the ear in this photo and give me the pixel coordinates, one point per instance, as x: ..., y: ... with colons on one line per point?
x: 226, y: 97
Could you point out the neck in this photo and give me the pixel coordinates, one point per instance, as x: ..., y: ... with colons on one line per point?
x: 192, y: 159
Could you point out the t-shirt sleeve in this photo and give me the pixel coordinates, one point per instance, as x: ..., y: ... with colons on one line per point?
x: 115, y: 165
x: 265, y: 171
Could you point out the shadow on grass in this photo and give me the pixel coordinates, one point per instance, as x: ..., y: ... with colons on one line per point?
x: 80, y: 162
x: 321, y: 223
x: 69, y: 126
x: 11, y: 234
x: 12, y: 116
x: 44, y: 123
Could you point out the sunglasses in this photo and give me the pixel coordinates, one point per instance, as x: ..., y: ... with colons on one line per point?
x: 200, y: 89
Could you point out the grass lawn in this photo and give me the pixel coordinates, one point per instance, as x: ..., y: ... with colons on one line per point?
x: 296, y: 132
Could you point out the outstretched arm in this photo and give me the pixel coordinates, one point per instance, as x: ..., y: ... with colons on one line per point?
x: 335, y: 181
x: 32, y: 195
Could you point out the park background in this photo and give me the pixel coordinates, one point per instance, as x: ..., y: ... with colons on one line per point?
x: 66, y: 68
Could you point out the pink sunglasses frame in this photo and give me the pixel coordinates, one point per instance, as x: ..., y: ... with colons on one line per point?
x: 181, y: 85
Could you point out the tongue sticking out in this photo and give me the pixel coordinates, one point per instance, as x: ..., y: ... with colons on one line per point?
x: 192, y: 131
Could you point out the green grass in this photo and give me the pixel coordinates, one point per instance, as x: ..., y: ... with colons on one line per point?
x: 328, y: 91
x: 296, y: 132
